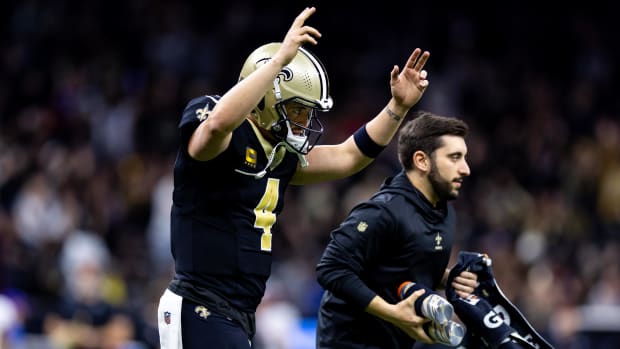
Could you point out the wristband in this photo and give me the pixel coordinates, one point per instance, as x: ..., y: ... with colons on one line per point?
x: 365, y: 144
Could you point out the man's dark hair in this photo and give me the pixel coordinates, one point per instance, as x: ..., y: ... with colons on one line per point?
x: 424, y: 132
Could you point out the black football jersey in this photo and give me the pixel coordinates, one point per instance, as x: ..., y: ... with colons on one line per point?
x: 222, y: 219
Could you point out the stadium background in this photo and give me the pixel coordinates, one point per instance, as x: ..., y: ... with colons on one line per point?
x: 91, y: 92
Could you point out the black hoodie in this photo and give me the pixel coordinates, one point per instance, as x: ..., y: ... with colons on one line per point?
x: 395, y: 236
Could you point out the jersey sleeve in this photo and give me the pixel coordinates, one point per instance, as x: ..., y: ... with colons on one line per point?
x: 196, y: 111
x: 353, y: 247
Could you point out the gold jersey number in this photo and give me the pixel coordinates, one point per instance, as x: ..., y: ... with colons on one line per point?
x: 265, y: 218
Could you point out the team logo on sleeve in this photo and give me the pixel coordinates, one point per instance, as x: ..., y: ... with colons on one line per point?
x: 250, y: 157
x: 202, y: 113
x: 362, y: 226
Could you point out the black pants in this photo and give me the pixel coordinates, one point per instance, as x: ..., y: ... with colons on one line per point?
x: 201, y: 329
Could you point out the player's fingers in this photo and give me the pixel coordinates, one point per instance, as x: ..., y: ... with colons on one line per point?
x: 309, y: 38
x: 423, y: 83
x: 464, y: 286
x: 303, y: 16
x: 463, y: 294
x: 394, y: 73
x: 469, y: 275
x: 422, y: 60
x: 466, y: 280
x: 311, y: 31
x: 413, y: 58
x: 415, y: 295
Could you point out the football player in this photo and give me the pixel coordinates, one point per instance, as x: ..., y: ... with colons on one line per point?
x: 238, y: 154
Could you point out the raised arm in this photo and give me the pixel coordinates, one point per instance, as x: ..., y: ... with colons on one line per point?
x: 407, y: 88
x: 213, y: 135
x: 338, y: 161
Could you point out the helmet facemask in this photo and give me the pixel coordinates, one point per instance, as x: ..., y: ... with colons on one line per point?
x: 307, y: 135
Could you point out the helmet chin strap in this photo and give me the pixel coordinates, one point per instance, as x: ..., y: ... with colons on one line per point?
x: 272, y: 155
x: 261, y: 174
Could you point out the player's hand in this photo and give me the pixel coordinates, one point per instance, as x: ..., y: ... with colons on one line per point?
x: 465, y: 283
x: 408, y: 86
x: 296, y: 36
x: 410, y: 322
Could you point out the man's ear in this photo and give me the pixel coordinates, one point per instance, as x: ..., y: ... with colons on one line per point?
x: 421, y: 161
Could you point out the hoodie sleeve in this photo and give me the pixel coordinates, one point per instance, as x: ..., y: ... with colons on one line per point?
x: 352, y: 248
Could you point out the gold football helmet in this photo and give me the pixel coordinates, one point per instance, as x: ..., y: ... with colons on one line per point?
x: 304, y: 80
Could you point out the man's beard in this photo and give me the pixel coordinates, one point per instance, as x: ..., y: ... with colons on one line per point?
x: 442, y: 187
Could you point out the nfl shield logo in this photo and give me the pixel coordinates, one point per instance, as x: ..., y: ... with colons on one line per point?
x: 167, y: 317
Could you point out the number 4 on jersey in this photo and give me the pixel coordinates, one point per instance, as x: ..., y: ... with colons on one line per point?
x: 265, y: 218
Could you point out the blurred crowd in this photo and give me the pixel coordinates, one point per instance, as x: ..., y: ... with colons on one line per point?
x: 91, y: 93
